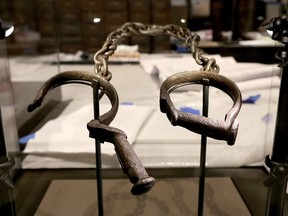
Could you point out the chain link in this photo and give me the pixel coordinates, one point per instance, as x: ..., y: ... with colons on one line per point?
x: 190, y: 39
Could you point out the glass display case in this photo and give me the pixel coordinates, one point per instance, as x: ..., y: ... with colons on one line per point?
x: 9, y: 149
x: 56, y: 151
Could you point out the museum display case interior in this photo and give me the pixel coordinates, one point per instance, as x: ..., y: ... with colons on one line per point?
x: 143, y: 107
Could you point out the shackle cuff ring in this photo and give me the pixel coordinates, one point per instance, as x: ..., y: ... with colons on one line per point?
x: 222, y: 130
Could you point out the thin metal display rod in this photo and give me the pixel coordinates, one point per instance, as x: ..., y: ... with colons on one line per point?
x: 96, y: 98
x: 3, y: 150
x: 205, y: 105
x: 276, y: 193
x: 279, y: 157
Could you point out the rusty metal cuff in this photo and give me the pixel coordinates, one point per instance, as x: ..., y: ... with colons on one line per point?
x: 217, y: 129
x: 81, y: 77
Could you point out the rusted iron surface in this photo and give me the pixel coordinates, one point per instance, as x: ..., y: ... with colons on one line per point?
x: 190, y: 39
x: 81, y: 77
x: 217, y: 129
x: 128, y: 159
x: 99, y: 128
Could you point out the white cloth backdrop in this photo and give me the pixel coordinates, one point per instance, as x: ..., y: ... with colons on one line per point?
x: 64, y: 143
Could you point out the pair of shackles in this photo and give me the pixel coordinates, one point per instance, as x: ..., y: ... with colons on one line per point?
x: 222, y: 130
x: 99, y: 128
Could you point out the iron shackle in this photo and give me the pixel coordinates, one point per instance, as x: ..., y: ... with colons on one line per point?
x: 218, y: 129
x: 129, y: 161
x: 82, y: 77
x: 99, y: 128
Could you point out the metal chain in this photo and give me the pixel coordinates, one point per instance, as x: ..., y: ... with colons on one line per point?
x: 190, y: 39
